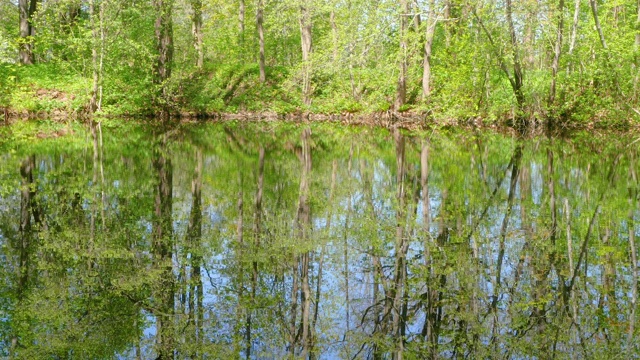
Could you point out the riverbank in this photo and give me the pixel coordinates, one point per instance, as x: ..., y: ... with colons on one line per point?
x: 52, y: 92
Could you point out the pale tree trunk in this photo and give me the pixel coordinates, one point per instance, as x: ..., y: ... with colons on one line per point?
x: 257, y: 234
x: 305, y: 33
x: 433, y: 308
x: 401, y: 87
x: 241, y: 12
x: 93, y: 102
x: 194, y: 239
x: 304, y: 227
x: 196, y: 31
x: 574, y: 26
x: 432, y: 20
x: 557, y: 50
x: 596, y: 20
x: 637, y: 43
x: 101, y: 63
x: 259, y: 23
x: 27, y: 8
x: 636, y: 47
x: 162, y: 250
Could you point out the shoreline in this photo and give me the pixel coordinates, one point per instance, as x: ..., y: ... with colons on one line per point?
x: 408, y: 120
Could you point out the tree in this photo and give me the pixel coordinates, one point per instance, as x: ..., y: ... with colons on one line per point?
x: 401, y: 86
x: 556, y: 52
x: 432, y: 20
x: 27, y: 31
x: 307, y: 48
x: 164, y: 41
x: 260, y: 26
x: 196, y: 30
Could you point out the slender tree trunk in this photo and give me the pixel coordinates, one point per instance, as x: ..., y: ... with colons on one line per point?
x: 259, y: 23
x: 162, y: 250
x: 401, y: 87
x: 557, y: 50
x: 241, y: 25
x: 101, y: 65
x: 164, y: 41
x: 93, y: 102
x: 633, y: 195
x: 574, y: 26
x: 27, y: 8
x: 194, y: 236
x: 637, y: 43
x: 428, y: 42
x: 305, y: 32
x: 517, y: 67
x: 637, y: 58
x: 596, y: 20
x: 293, y: 314
x: 304, y: 227
x: 196, y: 30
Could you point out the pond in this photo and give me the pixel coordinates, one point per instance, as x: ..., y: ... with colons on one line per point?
x: 272, y: 240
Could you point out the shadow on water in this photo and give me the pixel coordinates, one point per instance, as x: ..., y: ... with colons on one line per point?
x: 318, y: 241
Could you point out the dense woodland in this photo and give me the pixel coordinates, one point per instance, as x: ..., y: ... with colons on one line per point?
x: 567, y: 61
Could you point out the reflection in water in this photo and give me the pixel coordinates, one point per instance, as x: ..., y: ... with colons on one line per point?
x: 275, y: 241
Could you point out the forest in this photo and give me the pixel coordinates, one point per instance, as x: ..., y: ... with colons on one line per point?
x: 559, y: 62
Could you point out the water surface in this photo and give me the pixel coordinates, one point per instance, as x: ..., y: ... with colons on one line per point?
x: 269, y: 240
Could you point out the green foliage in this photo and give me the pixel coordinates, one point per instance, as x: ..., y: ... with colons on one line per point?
x: 354, y: 65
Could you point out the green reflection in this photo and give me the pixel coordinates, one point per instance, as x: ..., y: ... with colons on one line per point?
x: 317, y: 241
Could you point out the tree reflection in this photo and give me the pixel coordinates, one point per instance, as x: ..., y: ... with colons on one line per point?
x: 234, y: 241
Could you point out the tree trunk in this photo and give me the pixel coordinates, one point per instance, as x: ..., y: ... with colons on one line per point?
x: 574, y: 26
x: 557, y: 50
x: 196, y: 30
x: 517, y: 68
x: 27, y: 8
x: 259, y: 23
x: 596, y: 19
x: 637, y: 43
x: 241, y: 12
x: 402, y: 245
x: 303, y: 222
x: 194, y: 238
x: 93, y: 102
x: 257, y: 234
x: 401, y: 87
x: 163, y: 253
x: 164, y: 41
x: 305, y: 32
x: 633, y: 195
x: 426, y: 70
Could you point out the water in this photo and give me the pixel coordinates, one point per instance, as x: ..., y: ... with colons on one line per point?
x: 264, y: 240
